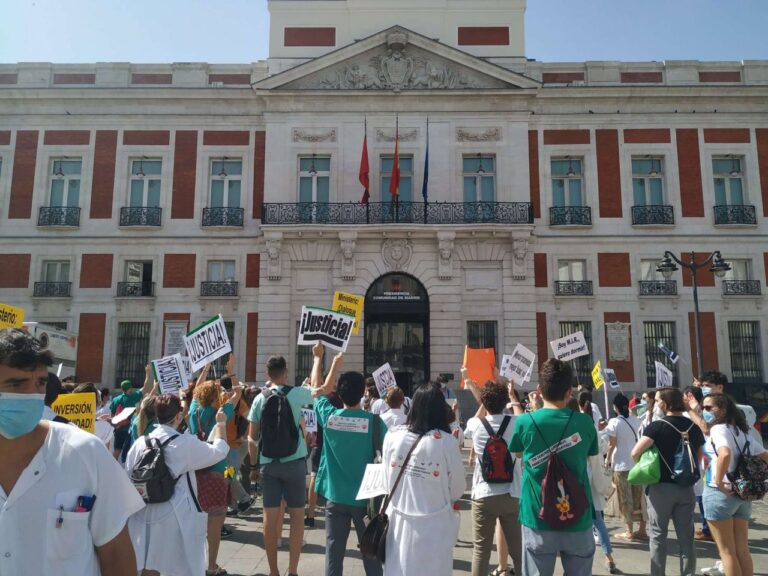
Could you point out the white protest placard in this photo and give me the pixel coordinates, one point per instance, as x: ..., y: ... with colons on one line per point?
x: 207, y: 342
x: 610, y: 377
x: 518, y: 366
x: 322, y: 325
x: 664, y: 375
x: 374, y: 482
x: 170, y: 374
x: 186, y: 363
x: 310, y: 419
x: 124, y: 415
x: 570, y: 347
x: 384, y: 378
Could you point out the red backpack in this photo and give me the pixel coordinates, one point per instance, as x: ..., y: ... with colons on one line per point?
x: 496, y: 463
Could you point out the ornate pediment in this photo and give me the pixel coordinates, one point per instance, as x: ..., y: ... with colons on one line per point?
x: 396, y: 60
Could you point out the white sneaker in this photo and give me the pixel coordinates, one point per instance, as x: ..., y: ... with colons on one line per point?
x: 716, y: 570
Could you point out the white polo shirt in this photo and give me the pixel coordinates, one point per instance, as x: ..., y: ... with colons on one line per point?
x: 476, y: 432
x: 70, y: 463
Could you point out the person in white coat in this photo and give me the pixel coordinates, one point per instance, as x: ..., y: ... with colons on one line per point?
x: 423, y: 527
x: 170, y: 537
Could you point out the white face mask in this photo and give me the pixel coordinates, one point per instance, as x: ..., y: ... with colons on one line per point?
x: 658, y: 413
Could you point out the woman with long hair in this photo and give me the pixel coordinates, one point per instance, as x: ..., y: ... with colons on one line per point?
x: 169, y: 537
x: 423, y: 527
x: 728, y: 515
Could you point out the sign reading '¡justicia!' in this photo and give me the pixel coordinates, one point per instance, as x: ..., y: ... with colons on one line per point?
x: 207, y: 342
x: 321, y: 325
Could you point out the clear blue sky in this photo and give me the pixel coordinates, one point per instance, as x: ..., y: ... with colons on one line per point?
x: 235, y: 31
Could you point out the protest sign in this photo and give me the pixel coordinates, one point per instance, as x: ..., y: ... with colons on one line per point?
x: 170, y: 374
x: 207, y: 342
x: 384, y: 378
x: 349, y: 304
x: 310, y: 419
x: 125, y: 413
x: 570, y: 347
x: 321, y: 325
x: 610, y: 377
x: 80, y: 409
x: 186, y: 363
x: 518, y: 366
x: 11, y: 317
x: 597, y: 376
x: 664, y: 375
x: 480, y: 364
x: 374, y: 482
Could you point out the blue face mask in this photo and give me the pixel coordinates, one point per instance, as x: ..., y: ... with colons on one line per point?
x: 20, y: 413
x: 709, y: 417
x: 706, y: 390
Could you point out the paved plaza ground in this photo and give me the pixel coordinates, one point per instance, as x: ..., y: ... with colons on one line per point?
x: 243, y: 554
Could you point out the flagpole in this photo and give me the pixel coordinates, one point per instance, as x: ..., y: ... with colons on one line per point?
x: 426, y: 175
x: 397, y: 161
x: 368, y: 203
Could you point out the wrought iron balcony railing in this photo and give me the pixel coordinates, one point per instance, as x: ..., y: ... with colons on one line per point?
x: 647, y: 215
x: 140, y: 216
x: 573, y: 288
x: 232, y: 217
x: 741, y: 288
x: 52, y: 289
x: 59, y: 216
x: 735, y: 214
x: 658, y: 288
x: 135, y: 289
x: 570, y: 216
x: 218, y: 288
x: 399, y: 213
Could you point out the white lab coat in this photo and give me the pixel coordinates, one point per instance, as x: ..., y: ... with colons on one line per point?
x: 171, y: 537
x: 423, y: 527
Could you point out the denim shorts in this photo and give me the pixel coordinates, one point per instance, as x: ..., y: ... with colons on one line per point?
x: 284, y: 481
x: 719, y: 506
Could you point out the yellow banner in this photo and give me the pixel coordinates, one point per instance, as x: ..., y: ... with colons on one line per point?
x: 11, y: 317
x: 349, y: 304
x: 80, y: 409
x: 597, y: 376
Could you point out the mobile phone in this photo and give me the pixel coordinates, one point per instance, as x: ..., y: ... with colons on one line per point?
x: 226, y: 383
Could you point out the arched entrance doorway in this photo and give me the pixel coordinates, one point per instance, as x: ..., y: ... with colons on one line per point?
x: 397, y: 329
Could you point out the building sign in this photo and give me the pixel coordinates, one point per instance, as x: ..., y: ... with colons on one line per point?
x: 617, y: 334
x: 174, y: 338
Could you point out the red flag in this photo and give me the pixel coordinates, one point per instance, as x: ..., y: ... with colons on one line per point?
x: 365, y: 170
x: 394, y: 182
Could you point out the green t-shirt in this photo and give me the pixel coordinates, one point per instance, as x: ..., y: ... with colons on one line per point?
x: 207, y: 422
x: 297, y: 398
x: 125, y: 400
x: 134, y: 428
x: 581, y: 441
x: 347, y: 450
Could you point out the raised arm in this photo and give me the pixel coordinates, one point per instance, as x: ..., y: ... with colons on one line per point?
x: 146, y: 389
x: 316, y: 376
x: 203, y: 375
x: 330, y: 381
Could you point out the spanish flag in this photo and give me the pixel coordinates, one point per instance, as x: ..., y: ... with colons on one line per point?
x: 394, y: 182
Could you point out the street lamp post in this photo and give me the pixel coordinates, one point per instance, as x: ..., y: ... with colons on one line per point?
x: 719, y: 267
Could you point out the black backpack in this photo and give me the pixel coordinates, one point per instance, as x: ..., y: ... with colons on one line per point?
x: 685, y: 469
x: 151, y: 475
x: 279, y: 433
x: 496, y: 463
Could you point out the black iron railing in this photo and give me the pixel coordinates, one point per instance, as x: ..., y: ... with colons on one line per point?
x: 735, y: 214
x: 135, y: 289
x: 140, y: 216
x: 658, y: 288
x: 223, y: 217
x: 644, y: 215
x: 218, y: 288
x: 741, y: 287
x: 58, y: 216
x: 52, y: 289
x: 570, y: 216
x: 573, y: 288
x: 399, y: 213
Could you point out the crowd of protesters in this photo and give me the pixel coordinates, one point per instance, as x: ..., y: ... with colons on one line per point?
x: 151, y: 494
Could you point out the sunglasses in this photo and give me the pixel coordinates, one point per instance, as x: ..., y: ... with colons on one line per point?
x: 708, y: 408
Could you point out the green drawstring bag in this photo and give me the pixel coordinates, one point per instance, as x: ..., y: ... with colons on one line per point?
x: 647, y: 470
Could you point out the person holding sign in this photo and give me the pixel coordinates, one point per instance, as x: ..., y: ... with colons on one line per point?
x: 65, y: 501
x: 351, y: 439
x: 130, y: 398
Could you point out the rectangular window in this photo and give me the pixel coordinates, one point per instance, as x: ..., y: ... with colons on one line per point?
x: 482, y: 334
x: 145, y: 183
x: 220, y: 365
x: 583, y: 365
x: 740, y: 270
x: 479, y: 174
x: 571, y: 270
x: 56, y: 271
x: 648, y: 181
x: 567, y: 182
x: 226, y: 180
x: 56, y: 324
x: 138, y: 271
x: 648, y: 271
x: 405, y: 192
x: 744, y: 340
x: 314, y: 188
x: 729, y: 184
x: 221, y: 271
x: 132, y: 351
x: 65, y: 183
x: 656, y: 333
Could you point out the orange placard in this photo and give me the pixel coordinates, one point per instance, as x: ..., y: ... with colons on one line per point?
x: 479, y: 363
